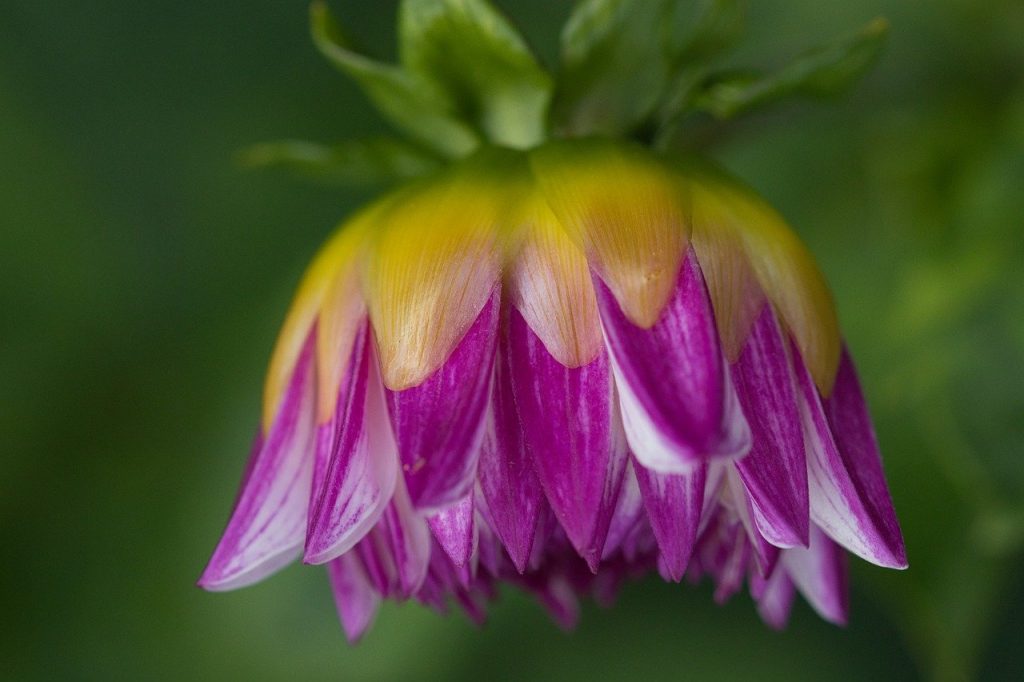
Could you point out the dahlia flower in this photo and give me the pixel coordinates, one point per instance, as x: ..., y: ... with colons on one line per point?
x: 562, y: 366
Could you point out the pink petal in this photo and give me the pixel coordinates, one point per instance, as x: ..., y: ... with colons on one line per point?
x: 714, y: 490
x: 454, y: 530
x: 357, y: 461
x: 774, y: 597
x: 678, y: 407
x: 731, y: 567
x: 508, y: 482
x: 629, y: 512
x: 572, y: 428
x: 354, y: 597
x: 674, y: 503
x: 439, y: 581
x: 848, y: 494
x: 439, y: 424
x: 396, y: 553
x: 820, y: 573
x: 775, y: 470
x: 489, y: 553
x: 444, y: 581
x: 556, y: 594
x: 765, y: 555
x: 268, y: 524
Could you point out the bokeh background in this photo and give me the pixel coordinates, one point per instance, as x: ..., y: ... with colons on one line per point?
x: 143, y: 276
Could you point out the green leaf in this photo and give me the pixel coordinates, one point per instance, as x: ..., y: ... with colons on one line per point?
x: 822, y: 71
x: 614, y: 66
x: 481, y: 62
x: 412, y: 103
x: 705, y: 29
x: 374, y: 161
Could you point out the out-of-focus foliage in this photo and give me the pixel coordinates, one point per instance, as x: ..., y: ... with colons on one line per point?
x: 368, y: 161
x: 827, y: 70
x: 143, y: 277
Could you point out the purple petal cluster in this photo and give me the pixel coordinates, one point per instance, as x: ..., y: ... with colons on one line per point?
x: 506, y: 466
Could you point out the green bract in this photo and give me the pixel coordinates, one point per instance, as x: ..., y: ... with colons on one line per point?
x: 627, y: 68
x: 481, y: 63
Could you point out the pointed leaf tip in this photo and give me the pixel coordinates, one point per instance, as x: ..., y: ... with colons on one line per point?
x: 370, y: 161
x: 407, y: 100
x: 822, y: 71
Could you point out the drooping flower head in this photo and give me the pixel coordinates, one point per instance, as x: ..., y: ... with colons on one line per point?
x: 559, y: 366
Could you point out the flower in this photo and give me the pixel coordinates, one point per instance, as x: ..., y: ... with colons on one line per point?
x: 562, y: 368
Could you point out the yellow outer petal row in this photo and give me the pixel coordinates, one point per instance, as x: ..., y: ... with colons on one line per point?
x: 549, y: 283
x: 338, y: 256
x: 343, y: 309
x: 426, y: 259
x: 626, y: 211
x: 736, y: 295
x: 435, y: 258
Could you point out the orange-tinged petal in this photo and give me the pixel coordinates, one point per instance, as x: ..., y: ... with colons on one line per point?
x: 626, y: 211
x: 549, y: 283
x: 316, y: 281
x: 785, y: 270
x: 342, y: 309
x: 732, y: 284
x: 434, y: 260
x: 795, y: 285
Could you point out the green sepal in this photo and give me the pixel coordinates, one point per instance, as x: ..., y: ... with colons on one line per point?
x: 410, y: 102
x: 614, y: 66
x: 372, y: 161
x: 822, y: 71
x: 481, y: 62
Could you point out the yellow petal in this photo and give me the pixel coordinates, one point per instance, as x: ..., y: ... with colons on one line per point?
x: 732, y: 284
x: 788, y: 275
x: 549, y: 283
x: 335, y: 255
x: 625, y: 210
x: 434, y: 260
x: 342, y: 309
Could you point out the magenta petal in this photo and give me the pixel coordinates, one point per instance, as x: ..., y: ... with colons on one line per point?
x: 848, y: 494
x: 733, y: 567
x: 439, y: 582
x: 774, y: 597
x: 268, y: 524
x: 354, y: 597
x: 629, y: 512
x: 715, y: 489
x: 775, y: 470
x: 765, y: 554
x: 508, y: 483
x: 640, y: 545
x: 357, y: 461
x: 556, y: 594
x: 678, y: 407
x: 454, y: 530
x: 674, y: 503
x: 440, y: 423
x: 489, y: 554
x: 396, y: 553
x: 820, y: 573
x: 444, y: 581
x: 572, y: 428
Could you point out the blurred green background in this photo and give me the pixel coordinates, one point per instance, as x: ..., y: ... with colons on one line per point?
x: 143, y: 277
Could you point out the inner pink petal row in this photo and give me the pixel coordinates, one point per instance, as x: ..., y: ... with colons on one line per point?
x: 505, y: 466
